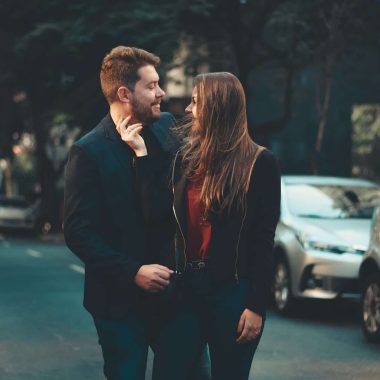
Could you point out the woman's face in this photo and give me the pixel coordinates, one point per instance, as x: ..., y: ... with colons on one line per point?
x: 192, y: 107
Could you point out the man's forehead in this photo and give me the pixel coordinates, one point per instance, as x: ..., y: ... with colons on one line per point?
x: 148, y: 74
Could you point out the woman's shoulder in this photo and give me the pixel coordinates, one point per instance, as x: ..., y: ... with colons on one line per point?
x: 265, y: 166
x: 266, y: 159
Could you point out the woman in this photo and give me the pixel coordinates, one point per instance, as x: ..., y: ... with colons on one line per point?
x: 226, y: 191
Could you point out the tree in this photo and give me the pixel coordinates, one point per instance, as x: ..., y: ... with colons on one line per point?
x: 288, y: 36
x: 52, y: 52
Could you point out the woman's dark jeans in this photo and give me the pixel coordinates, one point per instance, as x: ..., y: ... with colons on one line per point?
x: 206, y: 313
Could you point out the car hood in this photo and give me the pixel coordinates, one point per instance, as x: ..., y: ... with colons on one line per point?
x: 348, y: 232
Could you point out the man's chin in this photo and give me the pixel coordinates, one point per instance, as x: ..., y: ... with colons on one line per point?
x: 151, y: 119
x: 156, y: 115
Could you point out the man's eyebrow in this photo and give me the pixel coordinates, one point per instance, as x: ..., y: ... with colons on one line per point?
x: 153, y: 81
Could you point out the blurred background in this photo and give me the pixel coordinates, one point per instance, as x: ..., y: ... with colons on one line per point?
x: 310, y: 70
x: 311, y: 73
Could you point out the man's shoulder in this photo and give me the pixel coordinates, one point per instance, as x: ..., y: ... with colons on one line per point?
x: 164, y: 123
x: 167, y: 117
x: 162, y: 129
x: 93, y: 139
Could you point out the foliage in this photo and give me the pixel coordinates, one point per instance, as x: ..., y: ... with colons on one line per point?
x: 52, y: 50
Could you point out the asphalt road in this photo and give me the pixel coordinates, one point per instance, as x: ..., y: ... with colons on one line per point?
x: 46, y: 334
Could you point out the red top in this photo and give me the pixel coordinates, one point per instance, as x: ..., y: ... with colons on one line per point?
x: 198, y: 229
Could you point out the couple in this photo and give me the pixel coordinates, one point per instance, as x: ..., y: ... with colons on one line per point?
x: 176, y: 234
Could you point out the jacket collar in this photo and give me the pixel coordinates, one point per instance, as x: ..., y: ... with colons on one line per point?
x: 110, y: 127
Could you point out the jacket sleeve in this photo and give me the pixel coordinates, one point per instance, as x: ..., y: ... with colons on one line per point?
x: 83, y: 221
x: 154, y: 188
x: 262, y: 229
x: 152, y: 178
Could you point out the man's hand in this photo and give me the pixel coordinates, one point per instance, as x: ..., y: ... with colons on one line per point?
x: 130, y: 134
x: 153, y: 278
x: 249, y: 326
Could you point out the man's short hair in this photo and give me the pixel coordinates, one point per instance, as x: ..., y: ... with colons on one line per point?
x: 119, y: 68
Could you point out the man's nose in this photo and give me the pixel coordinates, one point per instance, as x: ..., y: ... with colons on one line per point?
x: 160, y: 92
x: 188, y: 109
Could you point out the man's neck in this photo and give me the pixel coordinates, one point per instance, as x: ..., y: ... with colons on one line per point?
x: 117, y: 113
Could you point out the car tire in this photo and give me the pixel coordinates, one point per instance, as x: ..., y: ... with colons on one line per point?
x: 370, y: 308
x: 284, y: 302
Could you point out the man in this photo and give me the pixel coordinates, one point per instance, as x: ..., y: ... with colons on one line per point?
x: 106, y: 222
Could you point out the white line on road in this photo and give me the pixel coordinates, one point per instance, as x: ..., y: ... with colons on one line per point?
x: 76, y: 268
x: 33, y: 253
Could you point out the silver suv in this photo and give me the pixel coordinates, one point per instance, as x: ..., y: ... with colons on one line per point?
x: 370, y: 280
x: 321, y: 238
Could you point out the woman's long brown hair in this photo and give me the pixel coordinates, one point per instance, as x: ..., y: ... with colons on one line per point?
x: 218, y: 151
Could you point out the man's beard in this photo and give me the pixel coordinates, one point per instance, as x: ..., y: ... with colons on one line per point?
x: 143, y: 112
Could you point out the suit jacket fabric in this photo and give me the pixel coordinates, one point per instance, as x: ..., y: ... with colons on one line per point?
x: 241, y: 244
x: 106, y: 222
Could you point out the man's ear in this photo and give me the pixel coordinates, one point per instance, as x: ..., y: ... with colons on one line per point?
x: 124, y: 94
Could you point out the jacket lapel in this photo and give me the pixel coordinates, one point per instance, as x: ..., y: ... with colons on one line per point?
x: 179, y: 184
x: 122, y: 152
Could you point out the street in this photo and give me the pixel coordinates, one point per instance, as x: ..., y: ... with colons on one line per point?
x: 46, y: 334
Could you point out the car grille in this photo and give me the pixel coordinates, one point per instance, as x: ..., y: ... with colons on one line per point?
x: 12, y: 221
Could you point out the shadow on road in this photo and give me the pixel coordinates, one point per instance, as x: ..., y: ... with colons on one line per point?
x: 330, y: 311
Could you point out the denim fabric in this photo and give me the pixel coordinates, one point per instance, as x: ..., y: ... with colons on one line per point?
x: 206, y: 313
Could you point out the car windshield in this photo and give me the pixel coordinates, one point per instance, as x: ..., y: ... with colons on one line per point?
x: 332, y: 201
x: 10, y: 203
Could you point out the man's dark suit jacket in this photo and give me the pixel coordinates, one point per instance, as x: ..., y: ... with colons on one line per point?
x: 106, y: 222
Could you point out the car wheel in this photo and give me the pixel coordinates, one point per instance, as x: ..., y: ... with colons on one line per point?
x: 371, y: 308
x: 282, y: 293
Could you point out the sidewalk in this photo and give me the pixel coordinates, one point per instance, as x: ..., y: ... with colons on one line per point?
x: 54, y: 238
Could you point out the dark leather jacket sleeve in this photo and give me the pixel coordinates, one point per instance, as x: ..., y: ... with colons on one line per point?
x: 262, y: 227
x: 154, y: 188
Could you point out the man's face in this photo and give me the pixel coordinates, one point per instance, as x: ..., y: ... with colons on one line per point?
x: 147, y: 96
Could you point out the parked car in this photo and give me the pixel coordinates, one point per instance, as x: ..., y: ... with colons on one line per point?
x: 321, y: 238
x: 369, y: 276
x: 16, y: 213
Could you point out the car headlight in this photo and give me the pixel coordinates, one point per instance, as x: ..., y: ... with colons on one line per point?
x: 307, y: 242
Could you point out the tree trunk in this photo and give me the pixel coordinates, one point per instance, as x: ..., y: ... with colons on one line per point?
x: 47, y: 177
x: 8, y: 178
x: 323, y: 105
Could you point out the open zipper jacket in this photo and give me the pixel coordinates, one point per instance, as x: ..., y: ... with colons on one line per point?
x: 241, y: 243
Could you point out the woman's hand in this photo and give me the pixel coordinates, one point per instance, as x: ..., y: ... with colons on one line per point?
x: 249, y: 326
x: 130, y: 134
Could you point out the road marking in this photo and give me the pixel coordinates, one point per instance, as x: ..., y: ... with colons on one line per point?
x: 76, y: 268
x: 33, y: 253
